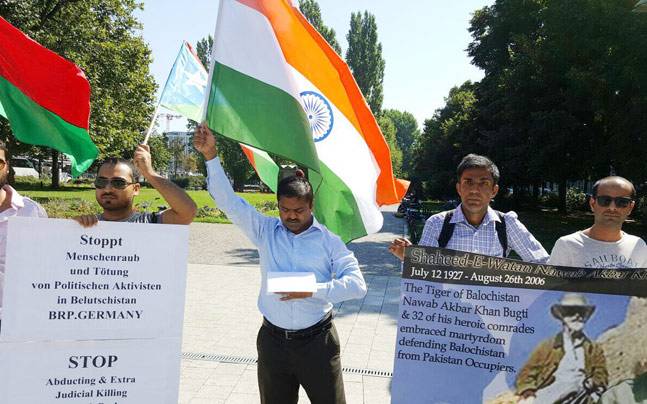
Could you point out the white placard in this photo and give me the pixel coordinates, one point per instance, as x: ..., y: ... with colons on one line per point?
x: 90, y: 372
x: 291, y: 282
x: 110, y: 281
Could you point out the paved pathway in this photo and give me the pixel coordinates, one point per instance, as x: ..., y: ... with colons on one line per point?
x: 221, y: 318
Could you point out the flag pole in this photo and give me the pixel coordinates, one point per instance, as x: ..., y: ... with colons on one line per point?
x: 150, y: 127
x: 212, y: 63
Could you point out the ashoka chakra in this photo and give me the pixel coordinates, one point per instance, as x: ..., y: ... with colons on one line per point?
x: 319, y: 114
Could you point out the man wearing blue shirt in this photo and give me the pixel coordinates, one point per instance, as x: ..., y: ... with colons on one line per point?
x: 474, y: 226
x: 297, y: 343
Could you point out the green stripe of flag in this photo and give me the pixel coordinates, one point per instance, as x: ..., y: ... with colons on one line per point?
x: 267, y: 169
x: 260, y: 115
x: 33, y: 124
x: 335, y: 205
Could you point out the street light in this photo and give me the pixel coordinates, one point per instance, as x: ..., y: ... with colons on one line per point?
x: 641, y: 7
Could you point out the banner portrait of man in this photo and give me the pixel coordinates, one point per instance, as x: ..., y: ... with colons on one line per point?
x: 569, y: 367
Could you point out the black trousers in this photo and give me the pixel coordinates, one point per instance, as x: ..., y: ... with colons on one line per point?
x: 311, y: 362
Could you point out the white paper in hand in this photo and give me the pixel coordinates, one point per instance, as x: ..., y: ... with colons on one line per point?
x: 291, y: 282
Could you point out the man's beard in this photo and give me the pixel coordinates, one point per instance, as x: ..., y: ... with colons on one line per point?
x: 114, y: 205
x: 3, y: 180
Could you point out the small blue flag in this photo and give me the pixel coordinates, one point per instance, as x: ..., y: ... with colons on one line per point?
x: 185, y: 87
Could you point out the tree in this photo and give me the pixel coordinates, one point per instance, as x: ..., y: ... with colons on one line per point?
x: 235, y: 162
x: 160, y: 153
x: 102, y: 38
x: 310, y: 9
x: 389, y: 132
x: 189, y: 162
x: 364, y: 57
x: 176, y: 148
x: 446, y: 138
x: 564, y: 95
x: 203, y: 49
x: 406, y: 133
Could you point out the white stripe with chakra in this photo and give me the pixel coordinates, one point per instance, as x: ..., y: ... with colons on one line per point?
x: 346, y: 153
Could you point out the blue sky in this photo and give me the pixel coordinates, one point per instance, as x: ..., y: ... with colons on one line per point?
x: 423, y: 43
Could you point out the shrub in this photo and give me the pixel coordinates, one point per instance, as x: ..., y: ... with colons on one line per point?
x: 32, y: 183
x: 67, y: 208
x: 550, y: 200
x: 207, y: 211
x: 640, y: 210
x: 191, y: 182
x: 576, y: 200
x: 83, y: 181
x: 267, y: 206
x: 156, y: 205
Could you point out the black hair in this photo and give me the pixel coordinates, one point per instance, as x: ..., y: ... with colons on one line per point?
x: 113, y: 161
x: 477, y: 161
x: 295, y: 186
x: 601, y: 181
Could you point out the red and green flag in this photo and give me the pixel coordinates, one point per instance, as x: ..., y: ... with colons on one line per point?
x: 45, y: 98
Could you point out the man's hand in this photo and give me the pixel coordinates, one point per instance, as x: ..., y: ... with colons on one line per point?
x: 397, y: 247
x: 142, y: 160
x: 182, y: 207
x: 527, y: 397
x: 87, y: 220
x: 294, y: 295
x: 205, y: 142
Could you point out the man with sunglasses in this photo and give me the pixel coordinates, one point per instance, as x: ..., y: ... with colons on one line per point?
x: 116, y: 187
x: 604, y: 244
x: 11, y: 204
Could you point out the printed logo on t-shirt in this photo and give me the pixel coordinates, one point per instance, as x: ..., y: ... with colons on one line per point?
x: 610, y: 261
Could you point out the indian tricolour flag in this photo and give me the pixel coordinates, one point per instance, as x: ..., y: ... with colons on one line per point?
x: 45, y: 98
x: 275, y: 84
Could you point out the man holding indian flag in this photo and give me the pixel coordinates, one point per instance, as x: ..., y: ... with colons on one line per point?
x: 277, y: 86
x: 297, y: 343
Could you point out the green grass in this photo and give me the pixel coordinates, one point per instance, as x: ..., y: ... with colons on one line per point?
x: 65, y: 201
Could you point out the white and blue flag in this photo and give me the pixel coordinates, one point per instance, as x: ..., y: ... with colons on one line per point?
x: 185, y: 87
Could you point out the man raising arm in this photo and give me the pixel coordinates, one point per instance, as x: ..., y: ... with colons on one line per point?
x: 297, y: 343
x: 116, y: 187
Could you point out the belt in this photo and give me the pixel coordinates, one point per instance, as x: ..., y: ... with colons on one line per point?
x: 323, y: 325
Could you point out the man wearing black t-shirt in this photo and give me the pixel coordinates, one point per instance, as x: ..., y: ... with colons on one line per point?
x: 116, y: 187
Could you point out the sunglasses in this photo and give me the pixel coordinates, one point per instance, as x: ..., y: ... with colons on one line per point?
x: 619, y: 201
x: 572, y: 312
x: 116, y: 183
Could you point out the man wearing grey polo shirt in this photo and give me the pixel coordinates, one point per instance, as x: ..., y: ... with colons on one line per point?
x: 297, y: 343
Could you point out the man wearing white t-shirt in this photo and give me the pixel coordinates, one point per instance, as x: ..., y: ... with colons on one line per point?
x: 11, y: 204
x: 604, y: 245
